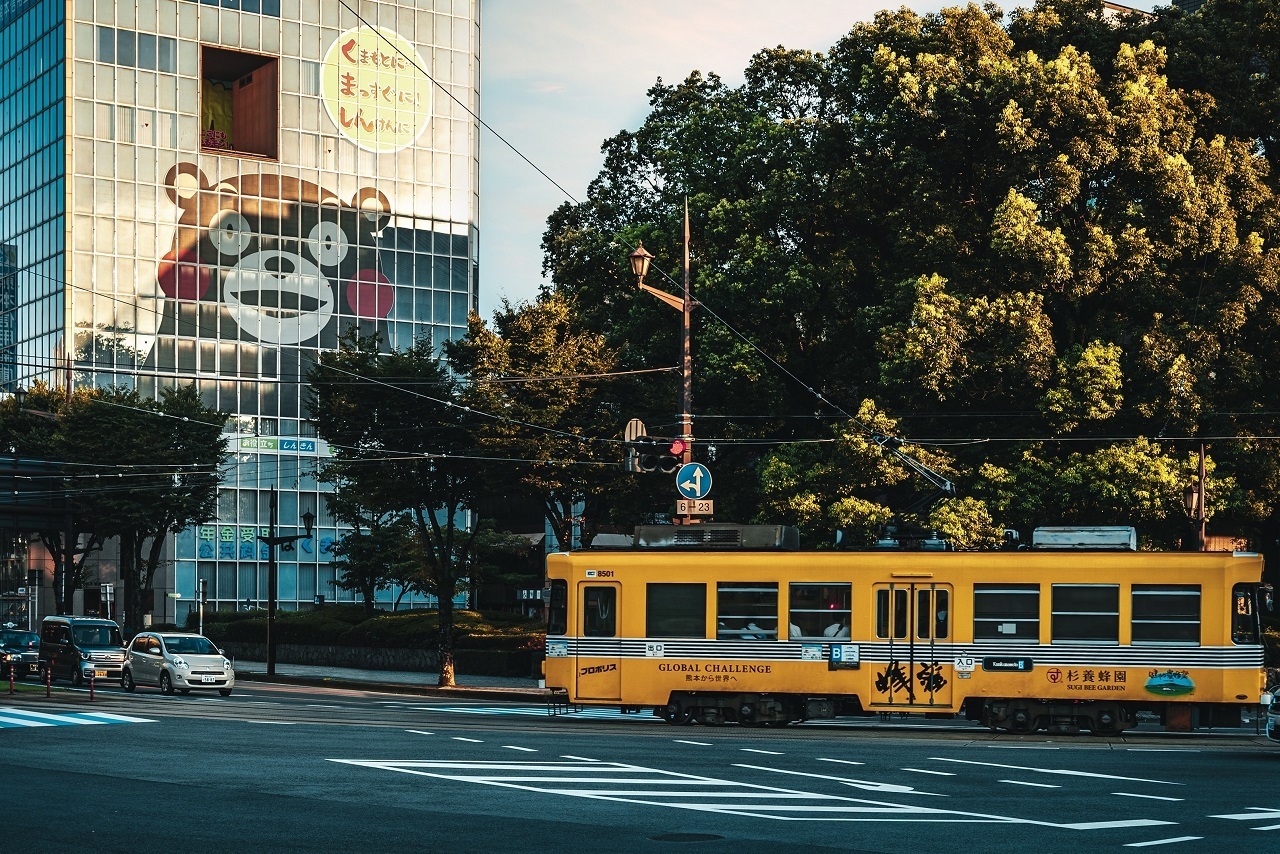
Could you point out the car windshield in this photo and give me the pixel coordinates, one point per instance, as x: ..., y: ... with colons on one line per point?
x: 190, y: 646
x: 20, y: 640
x: 97, y: 636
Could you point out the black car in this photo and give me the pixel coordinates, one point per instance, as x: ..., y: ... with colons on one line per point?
x: 20, y: 650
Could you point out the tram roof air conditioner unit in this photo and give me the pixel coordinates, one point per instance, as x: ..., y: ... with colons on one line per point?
x: 718, y: 535
x: 1086, y: 537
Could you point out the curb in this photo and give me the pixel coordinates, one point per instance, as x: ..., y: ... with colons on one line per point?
x: 478, y: 692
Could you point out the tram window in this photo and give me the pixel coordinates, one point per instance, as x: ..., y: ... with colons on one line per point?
x: 820, y: 611
x: 1006, y: 612
x: 1086, y: 613
x: 558, y: 607
x: 899, y: 623
x: 932, y: 622
x: 746, y: 610
x: 1244, y: 619
x: 599, y: 612
x: 676, y: 610
x: 1166, y: 614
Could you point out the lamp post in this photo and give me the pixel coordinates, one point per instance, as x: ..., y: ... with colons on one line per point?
x: 640, y: 260
x: 1193, y: 498
x: 271, y: 540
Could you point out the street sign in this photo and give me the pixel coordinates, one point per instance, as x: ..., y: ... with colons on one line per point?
x: 693, y: 507
x: 693, y: 480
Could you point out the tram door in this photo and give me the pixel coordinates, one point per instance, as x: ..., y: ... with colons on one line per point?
x: 913, y: 622
x: 599, y: 675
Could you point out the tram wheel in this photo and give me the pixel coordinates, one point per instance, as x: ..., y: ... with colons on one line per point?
x: 676, y: 716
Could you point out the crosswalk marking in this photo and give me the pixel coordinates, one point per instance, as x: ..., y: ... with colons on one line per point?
x: 634, y: 784
x: 15, y: 718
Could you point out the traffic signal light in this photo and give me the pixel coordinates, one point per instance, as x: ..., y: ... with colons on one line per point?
x: 650, y: 454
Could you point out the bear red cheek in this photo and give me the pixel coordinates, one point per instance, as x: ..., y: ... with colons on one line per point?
x: 370, y: 294
x: 182, y: 277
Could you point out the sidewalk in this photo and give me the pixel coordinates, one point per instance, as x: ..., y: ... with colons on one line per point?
x: 517, y: 688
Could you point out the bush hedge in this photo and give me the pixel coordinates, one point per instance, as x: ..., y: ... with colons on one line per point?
x: 345, y: 625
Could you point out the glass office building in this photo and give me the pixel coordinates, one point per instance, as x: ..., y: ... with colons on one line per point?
x: 212, y: 192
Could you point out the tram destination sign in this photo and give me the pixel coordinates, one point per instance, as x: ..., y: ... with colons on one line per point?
x: 1008, y: 664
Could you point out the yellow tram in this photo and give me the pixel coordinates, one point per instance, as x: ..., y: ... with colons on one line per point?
x: 704, y: 625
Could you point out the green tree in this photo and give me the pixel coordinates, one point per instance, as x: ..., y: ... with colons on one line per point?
x: 399, y: 442
x: 1041, y: 243
x: 546, y: 409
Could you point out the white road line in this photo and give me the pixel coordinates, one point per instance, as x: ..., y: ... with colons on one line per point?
x: 525, y: 749
x: 869, y: 785
x: 1168, y: 841
x: 1025, y: 783
x: 24, y: 722
x: 923, y: 771
x: 1066, y: 772
x: 33, y: 718
x: 754, y: 750
x: 110, y: 717
x: 274, y: 723
x: 419, y: 732
x: 1258, y: 813
x: 699, y: 743
x: 472, y: 740
x: 1268, y: 827
x: 580, y: 758
x: 1021, y: 747
x: 1149, y: 797
x: 1161, y: 750
x: 841, y: 761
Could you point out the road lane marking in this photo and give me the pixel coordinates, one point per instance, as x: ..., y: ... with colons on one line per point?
x: 1161, y: 750
x: 1258, y: 813
x: 1168, y: 841
x: 841, y: 761
x: 1021, y: 747
x: 869, y: 785
x: 757, y: 750
x: 698, y: 743
x: 923, y: 771
x: 639, y: 785
x: 273, y: 723
x: 525, y: 749
x: 1268, y: 827
x: 472, y: 740
x: 1025, y: 783
x: 17, y: 722
x: 1149, y: 797
x: 1066, y: 772
x: 419, y: 732
x: 580, y: 758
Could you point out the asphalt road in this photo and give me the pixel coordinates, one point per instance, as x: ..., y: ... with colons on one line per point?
x: 287, y: 768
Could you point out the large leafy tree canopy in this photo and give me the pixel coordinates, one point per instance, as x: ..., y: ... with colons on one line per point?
x: 1040, y: 247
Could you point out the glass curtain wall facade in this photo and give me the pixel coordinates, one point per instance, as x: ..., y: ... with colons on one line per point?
x: 212, y: 193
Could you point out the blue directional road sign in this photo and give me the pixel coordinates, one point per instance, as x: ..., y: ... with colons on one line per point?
x: 693, y: 480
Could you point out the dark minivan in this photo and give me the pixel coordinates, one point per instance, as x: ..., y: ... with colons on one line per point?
x: 81, y: 648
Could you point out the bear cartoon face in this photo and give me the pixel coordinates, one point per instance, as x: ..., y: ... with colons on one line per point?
x: 281, y: 255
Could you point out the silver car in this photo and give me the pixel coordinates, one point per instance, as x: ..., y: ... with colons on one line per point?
x: 176, y: 661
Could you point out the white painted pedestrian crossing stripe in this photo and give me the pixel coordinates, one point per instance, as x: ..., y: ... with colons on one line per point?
x: 14, y: 718
x: 634, y: 784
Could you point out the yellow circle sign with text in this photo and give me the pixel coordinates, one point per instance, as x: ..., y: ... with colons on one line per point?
x: 376, y: 89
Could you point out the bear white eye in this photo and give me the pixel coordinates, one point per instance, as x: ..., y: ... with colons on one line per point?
x: 230, y: 232
x: 328, y: 243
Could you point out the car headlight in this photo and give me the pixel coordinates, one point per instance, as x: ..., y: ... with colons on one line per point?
x: 179, y: 661
x: 226, y: 664
x: 86, y: 655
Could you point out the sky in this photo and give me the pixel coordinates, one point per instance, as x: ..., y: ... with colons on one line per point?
x: 558, y: 77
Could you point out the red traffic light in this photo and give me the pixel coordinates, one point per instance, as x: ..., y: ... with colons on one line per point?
x: 677, y: 447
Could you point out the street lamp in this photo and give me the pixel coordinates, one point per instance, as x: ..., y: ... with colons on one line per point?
x: 640, y: 266
x: 271, y: 540
x: 1193, y: 498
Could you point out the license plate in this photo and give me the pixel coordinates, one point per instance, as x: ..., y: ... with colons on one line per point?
x: 208, y: 679
x: 98, y: 673
x: 33, y: 668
